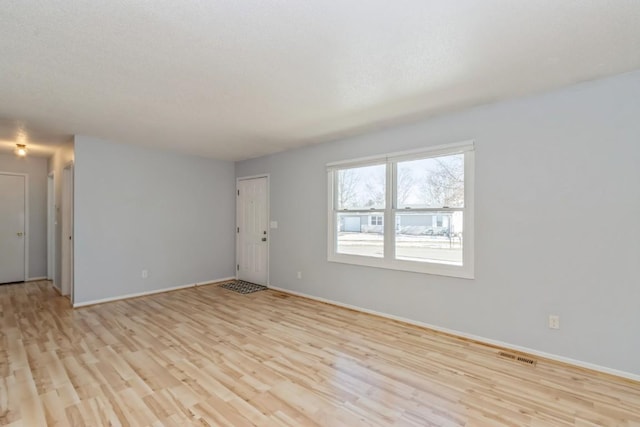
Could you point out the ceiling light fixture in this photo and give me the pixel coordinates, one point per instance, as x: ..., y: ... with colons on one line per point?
x: 21, y: 150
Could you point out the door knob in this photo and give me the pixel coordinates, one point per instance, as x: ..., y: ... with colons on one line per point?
x: 264, y: 239
x: 19, y: 234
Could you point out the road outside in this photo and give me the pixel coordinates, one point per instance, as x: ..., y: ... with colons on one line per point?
x: 415, y: 248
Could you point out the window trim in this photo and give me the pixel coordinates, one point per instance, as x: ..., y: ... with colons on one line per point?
x: 388, y: 261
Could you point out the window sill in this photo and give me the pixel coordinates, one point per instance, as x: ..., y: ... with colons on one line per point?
x: 463, y: 272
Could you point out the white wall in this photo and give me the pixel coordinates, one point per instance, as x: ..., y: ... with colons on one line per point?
x: 60, y: 159
x: 139, y: 208
x: 36, y: 168
x: 557, y: 224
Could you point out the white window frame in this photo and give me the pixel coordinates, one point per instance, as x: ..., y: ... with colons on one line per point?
x: 466, y: 270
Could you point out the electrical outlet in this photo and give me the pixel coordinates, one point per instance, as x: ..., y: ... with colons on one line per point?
x: 145, y: 274
x: 299, y: 275
x: 554, y: 321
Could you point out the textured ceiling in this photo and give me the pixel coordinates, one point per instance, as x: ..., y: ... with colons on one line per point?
x: 238, y: 79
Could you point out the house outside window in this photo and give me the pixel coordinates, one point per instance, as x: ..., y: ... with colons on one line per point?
x: 419, y: 207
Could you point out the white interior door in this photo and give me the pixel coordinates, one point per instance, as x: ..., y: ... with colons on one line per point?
x: 12, y: 228
x: 67, y: 232
x: 252, y: 219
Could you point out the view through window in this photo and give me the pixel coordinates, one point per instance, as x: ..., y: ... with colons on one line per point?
x: 422, y: 197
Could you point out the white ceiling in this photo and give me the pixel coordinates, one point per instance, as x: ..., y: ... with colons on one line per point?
x: 238, y: 79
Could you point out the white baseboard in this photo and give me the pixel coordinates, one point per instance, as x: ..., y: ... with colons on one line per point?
x: 550, y: 356
x: 141, y: 294
x: 33, y: 279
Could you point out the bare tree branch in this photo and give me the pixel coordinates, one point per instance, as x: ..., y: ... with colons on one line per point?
x: 406, y: 183
x: 348, y: 181
x: 444, y: 184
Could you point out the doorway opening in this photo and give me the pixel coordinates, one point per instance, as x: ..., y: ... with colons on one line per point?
x: 51, y: 228
x: 67, y: 284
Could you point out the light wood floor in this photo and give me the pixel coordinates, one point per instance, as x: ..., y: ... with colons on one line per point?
x: 207, y: 356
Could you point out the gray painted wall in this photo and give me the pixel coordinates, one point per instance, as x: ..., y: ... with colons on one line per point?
x: 60, y: 159
x: 545, y: 167
x: 36, y: 167
x: 138, y: 208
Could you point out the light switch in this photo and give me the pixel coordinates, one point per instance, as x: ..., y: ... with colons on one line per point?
x: 274, y: 224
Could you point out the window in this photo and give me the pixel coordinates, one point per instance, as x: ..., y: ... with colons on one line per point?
x: 376, y: 219
x: 408, y: 211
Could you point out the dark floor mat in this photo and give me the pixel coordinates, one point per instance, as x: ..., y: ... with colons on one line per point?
x: 242, y: 287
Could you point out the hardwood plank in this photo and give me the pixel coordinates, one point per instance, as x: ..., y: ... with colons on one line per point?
x: 209, y: 357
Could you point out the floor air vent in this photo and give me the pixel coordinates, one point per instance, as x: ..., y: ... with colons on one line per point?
x: 516, y: 358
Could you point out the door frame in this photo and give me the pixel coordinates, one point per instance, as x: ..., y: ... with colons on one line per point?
x: 51, y: 227
x: 27, y: 236
x: 245, y: 178
x: 67, y: 261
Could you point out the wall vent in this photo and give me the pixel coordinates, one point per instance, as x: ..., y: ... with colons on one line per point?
x: 517, y: 358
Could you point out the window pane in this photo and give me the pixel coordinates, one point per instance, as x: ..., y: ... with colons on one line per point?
x: 429, y: 237
x: 361, y: 188
x: 355, y: 235
x: 431, y: 183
